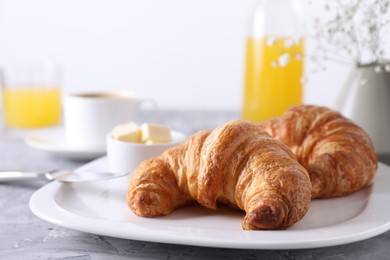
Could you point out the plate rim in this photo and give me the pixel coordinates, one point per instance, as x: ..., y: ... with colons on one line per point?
x: 55, y: 214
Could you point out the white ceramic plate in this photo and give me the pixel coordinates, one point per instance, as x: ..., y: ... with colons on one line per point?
x: 100, y: 208
x: 53, y: 141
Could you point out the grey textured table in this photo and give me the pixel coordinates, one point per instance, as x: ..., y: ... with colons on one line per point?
x: 24, y: 236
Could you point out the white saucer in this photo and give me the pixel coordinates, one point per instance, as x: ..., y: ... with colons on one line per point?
x: 53, y: 141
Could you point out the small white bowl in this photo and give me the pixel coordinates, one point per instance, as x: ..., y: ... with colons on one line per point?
x: 126, y: 156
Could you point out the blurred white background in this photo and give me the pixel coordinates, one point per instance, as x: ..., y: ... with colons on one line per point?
x: 186, y: 54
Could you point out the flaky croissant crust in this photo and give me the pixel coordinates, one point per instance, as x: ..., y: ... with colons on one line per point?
x: 337, y: 153
x: 236, y: 164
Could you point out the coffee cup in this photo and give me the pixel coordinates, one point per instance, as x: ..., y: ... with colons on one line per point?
x: 89, y: 116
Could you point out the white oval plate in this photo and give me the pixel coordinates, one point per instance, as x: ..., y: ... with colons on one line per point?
x: 100, y: 208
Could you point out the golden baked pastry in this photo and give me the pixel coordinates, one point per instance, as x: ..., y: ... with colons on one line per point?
x: 236, y: 164
x: 337, y: 153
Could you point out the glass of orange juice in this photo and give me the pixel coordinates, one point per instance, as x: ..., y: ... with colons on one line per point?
x: 31, y: 96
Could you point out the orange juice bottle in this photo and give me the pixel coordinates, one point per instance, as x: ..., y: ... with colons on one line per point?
x: 274, y: 60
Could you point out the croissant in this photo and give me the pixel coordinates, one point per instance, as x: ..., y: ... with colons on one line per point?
x: 338, y: 155
x: 235, y: 164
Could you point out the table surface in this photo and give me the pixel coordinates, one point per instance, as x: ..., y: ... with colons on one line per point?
x: 24, y: 236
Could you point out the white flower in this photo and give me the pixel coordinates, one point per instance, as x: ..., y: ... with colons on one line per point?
x: 355, y: 29
x: 270, y: 41
x: 284, y: 59
x: 289, y: 43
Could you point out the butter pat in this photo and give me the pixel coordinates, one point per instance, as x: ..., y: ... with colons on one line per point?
x: 129, y: 132
x: 155, y: 133
x: 155, y: 142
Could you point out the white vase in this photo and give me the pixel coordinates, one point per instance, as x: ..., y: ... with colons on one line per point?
x: 365, y: 98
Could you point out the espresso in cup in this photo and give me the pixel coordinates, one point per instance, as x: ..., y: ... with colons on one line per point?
x: 89, y: 116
